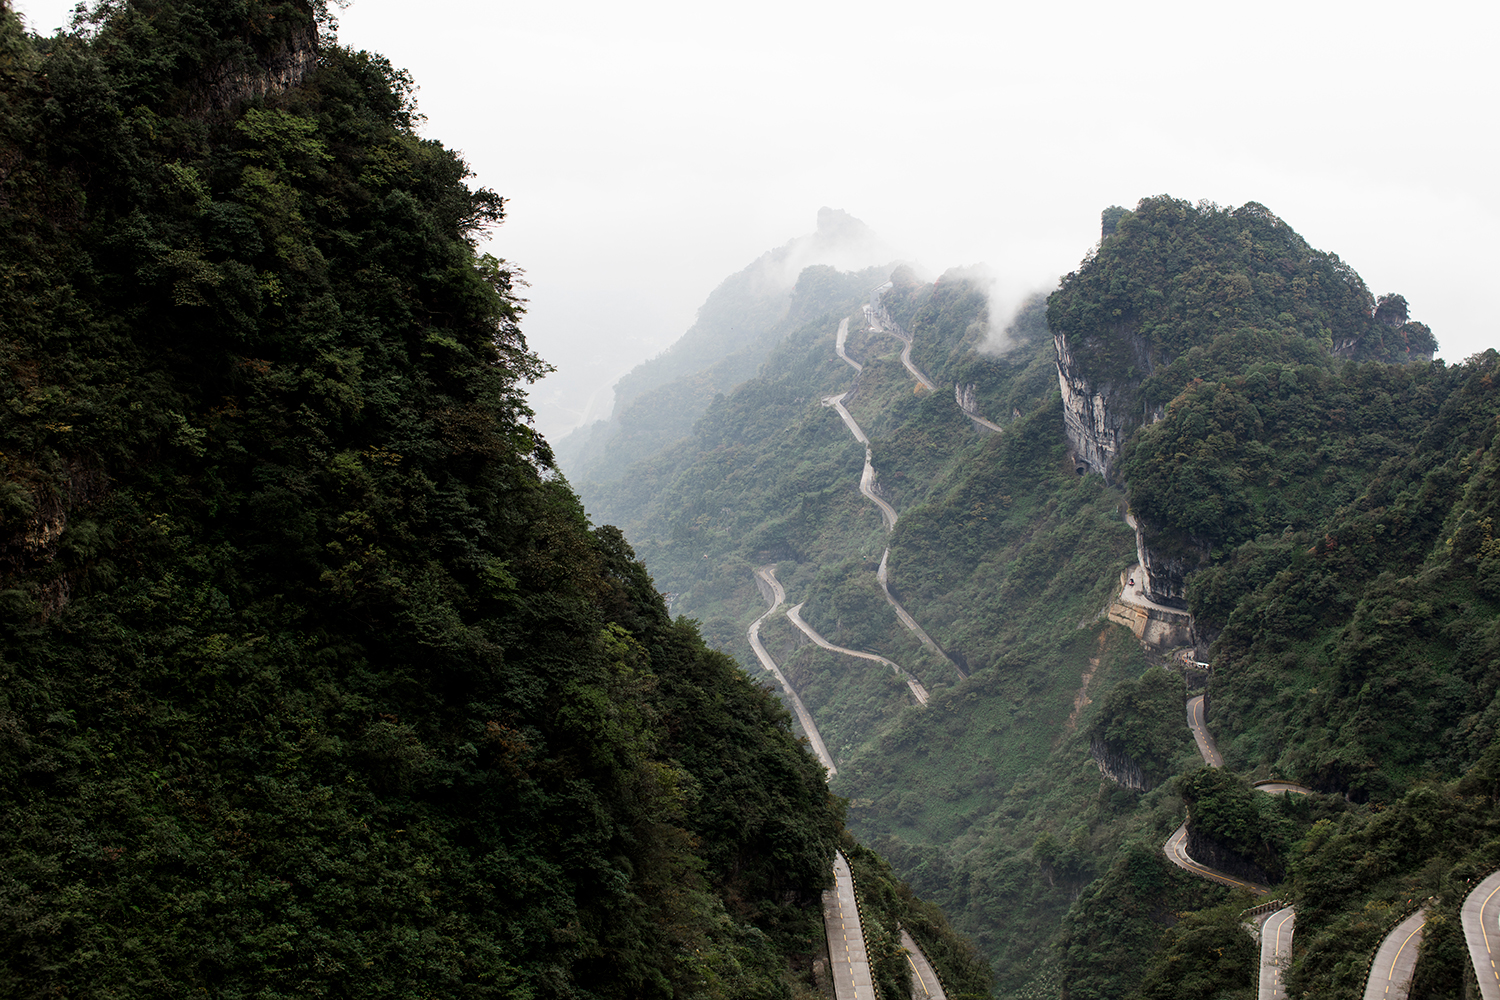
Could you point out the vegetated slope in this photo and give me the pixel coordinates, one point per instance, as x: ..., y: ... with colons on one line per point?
x: 1312, y: 488
x: 315, y: 678
x: 657, y: 402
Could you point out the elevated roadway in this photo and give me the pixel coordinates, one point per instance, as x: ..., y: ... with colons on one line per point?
x: 924, y: 981
x: 848, y: 961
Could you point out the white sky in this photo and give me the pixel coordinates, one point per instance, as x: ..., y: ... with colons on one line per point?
x: 650, y: 149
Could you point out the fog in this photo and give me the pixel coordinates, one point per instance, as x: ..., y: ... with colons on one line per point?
x: 649, y: 150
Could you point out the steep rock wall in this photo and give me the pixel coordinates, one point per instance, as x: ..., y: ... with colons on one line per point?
x: 1167, y: 561
x: 1210, y: 852
x: 1099, y: 383
x: 1117, y: 765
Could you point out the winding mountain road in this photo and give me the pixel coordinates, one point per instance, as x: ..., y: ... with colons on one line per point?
x: 972, y: 413
x: 925, y: 984
x: 1206, y: 745
x: 814, y: 738
x: 838, y: 344
x: 1275, y: 952
x: 795, y: 614
x: 1481, y: 920
x: 887, y: 325
x: 1134, y: 592
x: 882, y: 575
x: 848, y: 960
x: 1176, y: 851
x: 1396, y: 960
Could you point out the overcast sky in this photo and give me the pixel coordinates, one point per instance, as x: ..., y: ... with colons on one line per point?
x: 647, y: 150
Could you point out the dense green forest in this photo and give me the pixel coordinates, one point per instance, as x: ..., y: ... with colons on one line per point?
x: 1313, y: 489
x: 315, y: 680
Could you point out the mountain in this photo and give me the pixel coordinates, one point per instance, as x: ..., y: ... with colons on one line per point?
x: 657, y: 402
x: 315, y: 679
x: 1210, y: 462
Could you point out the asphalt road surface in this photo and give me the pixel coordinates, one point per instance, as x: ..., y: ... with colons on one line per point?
x: 838, y: 343
x: 882, y: 575
x: 1176, y: 852
x: 814, y: 738
x: 1481, y: 918
x: 1275, y: 952
x: 1200, y: 733
x: 917, y: 690
x: 846, y: 940
x: 924, y: 982
x: 1396, y: 960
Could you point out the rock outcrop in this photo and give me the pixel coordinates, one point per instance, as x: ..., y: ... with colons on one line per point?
x: 1211, y: 853
x: 1117, y: 765
x: 274, y: 65
x: 1101, y: 413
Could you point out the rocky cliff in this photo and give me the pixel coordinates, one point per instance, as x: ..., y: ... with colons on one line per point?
x: 1117, y: 765
x: 1101, y: 413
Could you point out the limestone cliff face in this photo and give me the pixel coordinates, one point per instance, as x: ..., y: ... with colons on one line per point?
x: 273, y: 67
x: 1117, y: 765
x: 1100, y: 410
x: 1167, y: 562
x: 1208, y: 851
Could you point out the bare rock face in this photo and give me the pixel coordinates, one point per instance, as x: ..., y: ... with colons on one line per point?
x: 1167, y: 563
x: 277, y: 66
x: 1117, y: 765
x: 1101, y: 412
x: 1210, y: 852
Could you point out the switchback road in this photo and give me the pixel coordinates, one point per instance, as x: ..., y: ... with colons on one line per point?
x: 1176, y: 851
x: 814, y: 738
x: 1396, y: 960
x: 1200, y: 733
x: 838, y: 344
x: 795, y: 614
x: 1134, y: 593
x: 1481, y: 919
x: 911, y: 623
x: 1275, y: 952
x: 924, y: 981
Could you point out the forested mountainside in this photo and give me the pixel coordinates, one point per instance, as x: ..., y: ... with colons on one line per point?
x: 1303, y: 502
x: 657, y: 402
x: 314, y: 678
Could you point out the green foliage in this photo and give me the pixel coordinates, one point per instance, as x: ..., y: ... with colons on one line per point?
x: 1118, y: 923
x: 314, y: 679
x: 1209, y: 955
x: 1143, y: 719
x: 888, y: 906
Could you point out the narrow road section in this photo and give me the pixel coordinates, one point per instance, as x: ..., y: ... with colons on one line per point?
x: 1481, y: 919
x: 848, y: 961
x: 1176, y: 851
x: 1176, y: 846
x: 814, y: 738
x: 1275, y: 953
x: 924, y: 981
x: 965, y: 402
x: 884, y: 324
x: 1390, y: 976
x: 910, y: 622
x: 1206, y: 745
x: 917, y: 690
x: 838, y: 344
x: 1134, y: 593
